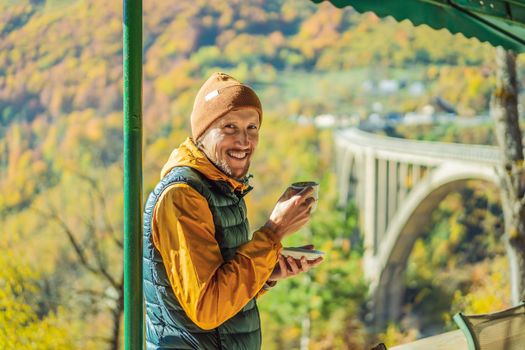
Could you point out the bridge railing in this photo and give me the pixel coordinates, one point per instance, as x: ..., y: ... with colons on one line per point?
x: 436, y: 150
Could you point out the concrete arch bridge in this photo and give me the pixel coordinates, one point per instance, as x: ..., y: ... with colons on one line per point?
x: 396, y: 184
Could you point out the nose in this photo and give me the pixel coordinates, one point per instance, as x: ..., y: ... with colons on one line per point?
x: 244, y: 138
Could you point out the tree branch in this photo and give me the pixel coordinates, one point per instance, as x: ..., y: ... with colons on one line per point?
x: 107, y: 222
x: 71, y: 237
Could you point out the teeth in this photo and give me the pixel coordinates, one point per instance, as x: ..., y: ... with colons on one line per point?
x: 238, y: 155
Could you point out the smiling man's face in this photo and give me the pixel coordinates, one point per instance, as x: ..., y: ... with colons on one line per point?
x: 231, y: 141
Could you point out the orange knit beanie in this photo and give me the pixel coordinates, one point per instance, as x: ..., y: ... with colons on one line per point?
x: 219, y: 95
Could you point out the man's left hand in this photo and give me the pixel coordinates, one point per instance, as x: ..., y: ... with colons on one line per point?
x: 288, y: 266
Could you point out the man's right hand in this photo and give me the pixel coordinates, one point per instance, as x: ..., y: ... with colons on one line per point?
x: 291, y: 212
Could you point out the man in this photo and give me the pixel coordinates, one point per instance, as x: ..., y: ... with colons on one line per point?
x: 202, y: 270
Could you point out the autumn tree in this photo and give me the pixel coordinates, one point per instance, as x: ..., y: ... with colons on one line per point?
x: 93, y: 233
x: 504, y: 110
x: 21, y: 327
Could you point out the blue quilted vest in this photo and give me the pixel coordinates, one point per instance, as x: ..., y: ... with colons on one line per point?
x: 167, y: 325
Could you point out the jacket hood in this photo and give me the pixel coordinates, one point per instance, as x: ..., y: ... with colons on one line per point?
x: 187, y: 154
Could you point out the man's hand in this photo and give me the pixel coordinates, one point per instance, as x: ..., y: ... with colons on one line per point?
x: 288, y: 266
x: 291, y: 212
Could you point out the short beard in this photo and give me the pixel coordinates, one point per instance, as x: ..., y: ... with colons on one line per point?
x: 226, y: 169
x: 223, y: 167
x: 212, y: 154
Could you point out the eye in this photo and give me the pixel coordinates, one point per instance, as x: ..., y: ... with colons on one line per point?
x: 252, y: 127
x: 229, y: 128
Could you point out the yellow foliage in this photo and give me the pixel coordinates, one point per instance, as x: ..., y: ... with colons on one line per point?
x: 94, y: 130
x: 394, y: 336
x: 419, y: 261
x: 490, y: 291
x: 20, y: 328
x: 456, y: 232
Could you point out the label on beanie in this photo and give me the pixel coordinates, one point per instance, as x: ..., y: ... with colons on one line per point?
x: 211, y: 95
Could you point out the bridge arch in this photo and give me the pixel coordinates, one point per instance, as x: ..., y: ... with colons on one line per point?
x: 388, y: 287
x: 396, y: 184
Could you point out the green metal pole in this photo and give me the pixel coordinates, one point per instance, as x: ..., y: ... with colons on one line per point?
x: 133, y: 314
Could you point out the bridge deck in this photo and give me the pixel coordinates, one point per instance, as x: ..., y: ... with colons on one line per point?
x: 436, y: 150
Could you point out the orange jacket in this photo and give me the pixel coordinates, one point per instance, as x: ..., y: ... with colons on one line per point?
x: 209, y: 289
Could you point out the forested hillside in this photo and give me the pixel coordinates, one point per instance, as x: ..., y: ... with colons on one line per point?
x: 61, y: 151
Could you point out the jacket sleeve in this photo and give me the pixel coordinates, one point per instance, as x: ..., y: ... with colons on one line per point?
x: 266, y: 288
x: 209, y: 289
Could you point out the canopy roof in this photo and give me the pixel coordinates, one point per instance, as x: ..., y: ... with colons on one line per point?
x: 499, y: 22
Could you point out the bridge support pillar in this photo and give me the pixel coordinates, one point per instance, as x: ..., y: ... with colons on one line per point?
x: 392, y: 189
x: 403, y: 179
x: 388, y: 296
x: 370, y: 211
x: 382, y: 198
